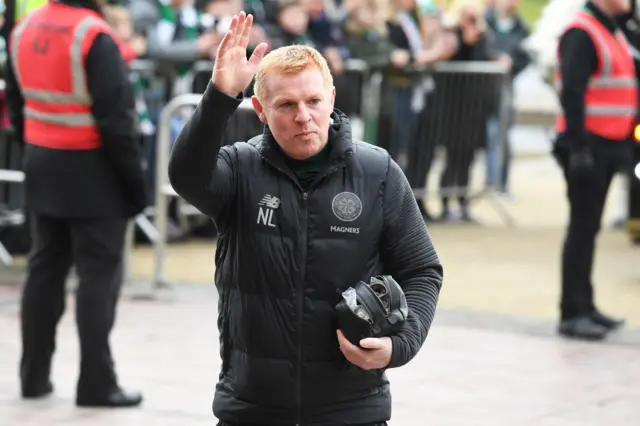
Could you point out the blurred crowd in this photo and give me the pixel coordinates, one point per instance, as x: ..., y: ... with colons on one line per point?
x: 392, y: 35
x: 402, y: 39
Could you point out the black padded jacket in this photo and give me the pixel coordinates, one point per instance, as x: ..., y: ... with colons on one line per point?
x: 283, y: 257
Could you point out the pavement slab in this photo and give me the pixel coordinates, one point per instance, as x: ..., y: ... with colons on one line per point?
x: 464, y: 374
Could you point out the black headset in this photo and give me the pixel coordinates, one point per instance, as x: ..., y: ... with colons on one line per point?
x: 380, y: 309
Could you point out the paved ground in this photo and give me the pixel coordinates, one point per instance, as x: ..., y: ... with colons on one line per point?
x: 466, y: 375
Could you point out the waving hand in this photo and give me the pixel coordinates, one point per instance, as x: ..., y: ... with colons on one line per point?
x: 232, y: 72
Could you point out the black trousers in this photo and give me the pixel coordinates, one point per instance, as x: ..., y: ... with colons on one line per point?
x: 95, y: 247
x: 587, y: 199
x: 457, y: 170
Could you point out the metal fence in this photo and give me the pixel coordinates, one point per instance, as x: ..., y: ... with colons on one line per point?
x: 466, y: 98
x: 454, y: 122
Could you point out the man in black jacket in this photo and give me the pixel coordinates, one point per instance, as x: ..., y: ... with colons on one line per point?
x: 83, y: 180
x: 303, y: 212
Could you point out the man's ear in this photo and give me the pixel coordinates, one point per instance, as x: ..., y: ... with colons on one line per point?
x: 333, y: 97
x: 257, y: 106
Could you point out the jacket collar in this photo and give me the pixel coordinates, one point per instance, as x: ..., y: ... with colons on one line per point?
x: 339, y: 137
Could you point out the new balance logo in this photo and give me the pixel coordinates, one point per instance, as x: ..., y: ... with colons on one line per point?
x: 270, y: 201
x: 266, y: 207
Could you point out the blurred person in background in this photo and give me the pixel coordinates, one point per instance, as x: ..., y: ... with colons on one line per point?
x: 174, y: 30
x: 367, y: 35
x: 367, y: 38
x: 307, y: 22
x: 465, y: 20
x: 291, y: 26
x: 132, y: 45
x: 438, y: 45
x: 325, y: 27
x: 219, y: 15
x: 598, y: 93
x: 405, y: 91
x: 509, y: 31
x: 5, y: 124
x: 3, y: 40
x: 408, y: 89
x: 71, y: 104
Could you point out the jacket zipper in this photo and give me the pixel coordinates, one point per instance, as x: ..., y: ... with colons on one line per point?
x: 300, y: 313
x: 300, y: 299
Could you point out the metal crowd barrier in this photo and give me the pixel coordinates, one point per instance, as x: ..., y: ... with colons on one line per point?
x: 455, y: 119
x: 164, y: 190
x: 10, y: 215
x: 468, y: 112
x: 463, y: 92
x: 147, y: 69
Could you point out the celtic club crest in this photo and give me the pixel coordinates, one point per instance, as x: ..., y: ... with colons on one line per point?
x: 347, y: 206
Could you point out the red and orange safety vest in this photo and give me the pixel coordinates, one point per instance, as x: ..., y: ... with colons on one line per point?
x: 611, y: 98
x: 48, y: 51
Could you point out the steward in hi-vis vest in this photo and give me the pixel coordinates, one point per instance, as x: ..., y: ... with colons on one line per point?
x: 611, y: 96
x: 71, y: 104
x: 598, y: 93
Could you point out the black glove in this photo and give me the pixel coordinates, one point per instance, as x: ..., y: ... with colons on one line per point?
x: 580, y: 162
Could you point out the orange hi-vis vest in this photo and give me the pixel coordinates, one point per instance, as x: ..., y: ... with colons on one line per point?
x: 48, y: 51
x: 611, y: 98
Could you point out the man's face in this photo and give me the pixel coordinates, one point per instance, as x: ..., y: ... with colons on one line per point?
x: 507, y: 6
x: 619, y: 7
x: 297, y: 109
x: 294, y: 20
x: 405, y: 5
x: 315, y: 6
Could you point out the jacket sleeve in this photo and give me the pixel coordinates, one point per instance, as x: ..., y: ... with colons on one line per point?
x: 176, y: 51
x: 410, y: 258
x: 145, y: 16
x: 201, y: 170
x: 578, y: 60
x: 115, y: 115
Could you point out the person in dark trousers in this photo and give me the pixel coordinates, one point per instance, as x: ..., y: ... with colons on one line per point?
x: 471, y: 102
x: 304, y: 212
x: 71, y: 103
x: 599, y: 98
x: 509, y: 31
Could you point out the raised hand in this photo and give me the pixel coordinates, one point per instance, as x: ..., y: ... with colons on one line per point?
x: 232, y: 72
